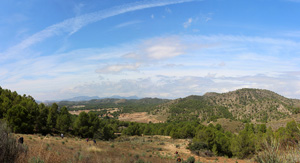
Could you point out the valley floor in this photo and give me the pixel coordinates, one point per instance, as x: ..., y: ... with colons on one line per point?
x: 155, y: 149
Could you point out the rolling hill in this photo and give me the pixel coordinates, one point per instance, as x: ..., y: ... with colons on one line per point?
x: 247, y: 105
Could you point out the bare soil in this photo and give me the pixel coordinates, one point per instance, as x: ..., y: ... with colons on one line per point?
x: 109, y: 110
x: 141, y: 117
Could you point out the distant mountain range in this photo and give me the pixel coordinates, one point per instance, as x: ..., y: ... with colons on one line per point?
x: 88, y: 98
x: 246, y: 105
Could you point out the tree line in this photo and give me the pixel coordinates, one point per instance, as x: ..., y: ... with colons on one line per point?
x: 24, y: 115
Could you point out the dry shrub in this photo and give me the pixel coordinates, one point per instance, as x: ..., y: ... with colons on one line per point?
x: 10, y: 149
x: 274, y: 152
x: 94, y: 149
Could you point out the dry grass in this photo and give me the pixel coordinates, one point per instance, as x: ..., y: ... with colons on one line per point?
x: 141, y: 117
x: 94, y: 149
x: 228, y: 125
x: 155, y: 149
x: 274, y: 152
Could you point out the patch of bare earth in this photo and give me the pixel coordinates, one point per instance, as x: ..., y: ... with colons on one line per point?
x: 141, y: 117
x: 109, y: 110
x: 170, y: 146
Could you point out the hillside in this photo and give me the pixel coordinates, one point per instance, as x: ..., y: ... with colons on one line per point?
x: 126, y: 105
x: 254, y: 105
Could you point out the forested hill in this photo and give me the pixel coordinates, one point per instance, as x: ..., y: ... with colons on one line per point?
x: 243, y: 104
x: 127, y: 105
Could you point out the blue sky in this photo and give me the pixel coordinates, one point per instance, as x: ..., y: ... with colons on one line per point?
x: 55, y: 49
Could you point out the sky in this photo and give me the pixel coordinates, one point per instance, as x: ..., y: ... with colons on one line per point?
x: 54, y: 49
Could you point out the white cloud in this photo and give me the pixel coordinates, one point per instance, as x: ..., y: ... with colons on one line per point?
x: 117, y: 68
x: 206, y: 17
x: 127, y: 24
x: 188, y: 23
x: 158, y: 49
x: 77, y: 8
x: 163, y: 48
x: 168, y: 10
x: 72, y: 25
x: 175, y: 87
x: 210, y: 63
x: 291, y: 34
x: 152, y: 16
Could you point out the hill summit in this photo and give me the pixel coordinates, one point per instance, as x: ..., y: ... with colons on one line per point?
x: 244, y: 104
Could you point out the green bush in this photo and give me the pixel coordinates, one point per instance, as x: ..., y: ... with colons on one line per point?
x: 190, y: 160
x: 197, y: 146
x: 136, y: 156
x: 140, y: 161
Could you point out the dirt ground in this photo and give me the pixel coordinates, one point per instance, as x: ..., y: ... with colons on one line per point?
x: 109, y: 110
x: 141, y: 117
x: 155, y: 149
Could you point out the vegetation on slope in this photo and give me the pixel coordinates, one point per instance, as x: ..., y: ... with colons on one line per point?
x: 24, y: 115
x: 247, y: 105
x: 127, y: 106
x: 10, y: 150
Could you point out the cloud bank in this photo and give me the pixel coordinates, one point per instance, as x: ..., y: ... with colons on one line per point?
x: 168, y: 67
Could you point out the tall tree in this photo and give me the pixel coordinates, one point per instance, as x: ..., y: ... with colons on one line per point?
x: 81, y: 125
x: 19, y: 119
x: 41, y: 121
x: 63, y: 121
x: 52, y: 116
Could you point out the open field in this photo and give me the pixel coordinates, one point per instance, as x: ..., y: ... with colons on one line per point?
x: 109, y: 110
x: 155, y: 149
x: 141, y: 117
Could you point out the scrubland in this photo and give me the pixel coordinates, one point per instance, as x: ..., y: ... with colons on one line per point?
x: 131, y: 149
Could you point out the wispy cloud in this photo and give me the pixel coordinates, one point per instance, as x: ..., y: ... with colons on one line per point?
x: 127, y: 24
x: 77, y: 8
x: 188, y: 23
x: 175, y: 87
x: 72, y: 25
x: 117, y: 68
x: 146, y: 53
x: 168, y: 10
x: 206, y: 17
x: 291, y: 34
x: 157, y: 49
x: 190, y: 64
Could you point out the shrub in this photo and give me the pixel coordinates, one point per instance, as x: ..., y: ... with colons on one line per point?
x: 273, y: 152
x: 136, y: 156
x: 10, y: 150
x: 190, y: 160
x: 161, y: 143
x: 36, y: 160
x: 140, y: 161
x: 197, y: 146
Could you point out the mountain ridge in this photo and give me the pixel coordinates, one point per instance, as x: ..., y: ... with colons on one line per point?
x: 247, y: 104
